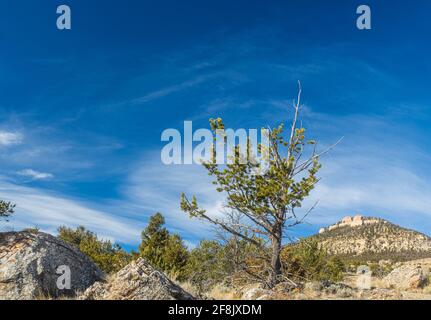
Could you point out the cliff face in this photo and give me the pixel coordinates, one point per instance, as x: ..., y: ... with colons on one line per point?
x: 374, y: 239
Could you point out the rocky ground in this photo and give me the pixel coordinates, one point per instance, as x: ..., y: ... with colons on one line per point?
x: 408, y: 281
x: 32, y: 263
x: 29, y: 269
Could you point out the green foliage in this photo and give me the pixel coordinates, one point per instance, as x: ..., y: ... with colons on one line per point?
x: 269, y: 194
x: 380, y: 270
x: 154, y: 239
x: 6, y: 209
x: 307, y: 261
x: 267, y: 199
x: 163, y: 250
x: 34, y: 230
x: 229, y: 263
x: 207, y: 265
x: 110, y: 258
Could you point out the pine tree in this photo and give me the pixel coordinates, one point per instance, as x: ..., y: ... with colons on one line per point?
x: 6, y: 209
x: 163, y: 250
x: 109, y: 257
x: 267, y: 202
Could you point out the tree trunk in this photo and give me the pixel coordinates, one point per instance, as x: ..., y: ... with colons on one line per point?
x: 275, y: 272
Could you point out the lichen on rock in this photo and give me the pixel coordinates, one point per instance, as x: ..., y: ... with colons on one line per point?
x: 29, y: 263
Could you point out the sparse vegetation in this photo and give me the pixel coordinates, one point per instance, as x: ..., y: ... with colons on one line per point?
x: 222, y: 268
x: 372, y: 243
x: 306, y: 261
x: 109, y: 257
x: 427, y: 289
x: 207, y: 265
x: 32, y: 230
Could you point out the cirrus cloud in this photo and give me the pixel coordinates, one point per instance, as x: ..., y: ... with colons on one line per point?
x: 10, y: 138
x: 35, y: 175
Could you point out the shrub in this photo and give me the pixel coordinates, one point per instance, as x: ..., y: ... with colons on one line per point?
x: 163, y: 250
x: 307, y: 261
x: 34, y: 230
x: 206, y: 266
x: 379, y: 270
x: 110, y: 258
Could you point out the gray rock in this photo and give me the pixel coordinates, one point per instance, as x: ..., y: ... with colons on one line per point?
x: 406, y: 277
x: 29, y: 262
x: 256, y: 294
x: 137, y: 281
x: 338, y: 289
x: 314, y: 286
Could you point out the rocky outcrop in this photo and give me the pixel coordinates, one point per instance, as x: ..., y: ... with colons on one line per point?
x: 406, y: 277
x: 318, y: 288
x: 32, y: 263
x: 352, y: 222
x: 137, y: 281
x: 256, y: 294
x: 373, y: 239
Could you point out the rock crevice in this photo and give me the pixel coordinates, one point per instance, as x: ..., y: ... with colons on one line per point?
x: 137, y: 281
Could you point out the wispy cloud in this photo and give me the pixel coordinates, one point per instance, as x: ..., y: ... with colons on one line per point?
x: 153, y: 186
x: 168, y: 90
x: 36, y: 175
x: 374, y: 171
x: 172, y: 89
x: 49, y: 210
x: 10, y: 138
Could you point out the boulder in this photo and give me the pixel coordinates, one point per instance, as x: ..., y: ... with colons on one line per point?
x: 406, y: 277
x: 339, y: 289
x: 32, y: 263
x: 256, y: 294
x: 317, y: 288
x: 137, y: 281
x: 313, y: 286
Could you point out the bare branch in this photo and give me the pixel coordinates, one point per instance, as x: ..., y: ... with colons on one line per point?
x: 304, y: 165
x: 295, y: 119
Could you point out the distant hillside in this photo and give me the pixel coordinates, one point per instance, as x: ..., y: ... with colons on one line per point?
x: 373, y: 239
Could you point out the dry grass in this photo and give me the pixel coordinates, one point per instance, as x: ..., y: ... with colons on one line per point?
x: 45, y: 297
x: 379, y: 283
x: 427, y: 289
x: 220, y: 292
x: 187, y: 286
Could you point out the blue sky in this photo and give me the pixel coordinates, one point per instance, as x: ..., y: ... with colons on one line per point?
x: 82, y: 111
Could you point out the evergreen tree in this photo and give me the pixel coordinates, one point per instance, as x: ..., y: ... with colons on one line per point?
x: 109, y: 257
x: 163, y: 250
x: 154, y: 241
x: 269, y: 201
x: 6, y: 209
